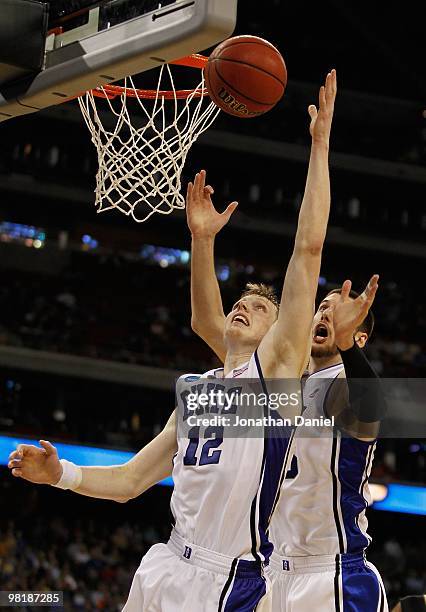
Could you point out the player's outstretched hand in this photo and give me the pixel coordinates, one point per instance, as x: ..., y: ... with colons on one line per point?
x: 38, y: 465
x: 321, y: 119
x: 348, y: 314
x: 203, y: 219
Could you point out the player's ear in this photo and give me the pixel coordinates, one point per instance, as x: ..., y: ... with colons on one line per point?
x: 361, y: 339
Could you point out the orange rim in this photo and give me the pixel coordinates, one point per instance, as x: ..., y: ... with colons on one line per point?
x: 191, y: 61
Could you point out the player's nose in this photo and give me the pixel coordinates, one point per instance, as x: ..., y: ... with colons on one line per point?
x: 327, y: 314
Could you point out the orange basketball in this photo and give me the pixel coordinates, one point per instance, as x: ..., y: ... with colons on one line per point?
x: 246, y: 76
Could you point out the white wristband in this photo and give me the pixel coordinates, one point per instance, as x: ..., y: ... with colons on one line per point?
x: 72, y: 476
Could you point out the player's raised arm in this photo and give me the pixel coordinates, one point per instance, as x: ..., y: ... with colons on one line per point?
x: 357, y: 402
x: 204, y: 222
x: 284, y: 349
x: 118, y: 483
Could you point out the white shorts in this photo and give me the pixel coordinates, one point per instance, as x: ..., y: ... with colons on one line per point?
x: 181, y: 577
x: 340, y: 583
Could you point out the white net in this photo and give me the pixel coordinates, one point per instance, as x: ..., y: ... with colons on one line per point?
x: 141, y: 157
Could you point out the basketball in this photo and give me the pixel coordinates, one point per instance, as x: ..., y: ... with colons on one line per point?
x: 246, y: 76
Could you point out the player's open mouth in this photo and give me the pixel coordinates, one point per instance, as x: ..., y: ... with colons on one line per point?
x: 320, y: 333
x: 239, y: 318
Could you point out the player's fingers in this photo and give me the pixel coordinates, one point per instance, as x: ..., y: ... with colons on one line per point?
x: 312, y: 110
x: 334, y: 81
x: 202, y: 180
x: 23, y: 449
x: 374, y: 280
x: 17, y: 472
x: 14, y: 455
x: 321, y: 98
x: 189, y: 191
x: 48, y: 447
x: 329, y: 95
x: 207, y: 195
x: 346, y: 289
x: 230, y: 209
x: 371, y: 288
x: 372, y: 283
x: 14, y: 463
x: 196, y: 184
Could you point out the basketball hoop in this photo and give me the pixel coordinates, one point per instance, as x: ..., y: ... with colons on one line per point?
x: 140, y: 167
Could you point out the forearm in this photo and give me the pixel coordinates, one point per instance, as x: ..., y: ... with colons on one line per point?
x: 315, y: 208
x: 123, y: 482
x: 366, y: 397
x: 112, y: 482
x: 206, y: 302
x: 291, y: 341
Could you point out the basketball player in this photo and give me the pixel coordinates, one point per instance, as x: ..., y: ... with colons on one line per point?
x: 319, y: 524
x: 319, y: 528
x: 222, y: 500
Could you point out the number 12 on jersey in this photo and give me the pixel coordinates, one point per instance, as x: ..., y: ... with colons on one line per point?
x: 209, y: 452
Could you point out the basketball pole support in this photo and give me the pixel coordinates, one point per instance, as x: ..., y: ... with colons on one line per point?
x: 129, y: 48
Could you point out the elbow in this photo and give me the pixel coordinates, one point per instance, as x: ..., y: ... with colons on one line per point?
x: 130, y: 495
x: 195, y: 325
x: 311, y: 248
x: 122, y: 500
x: 130, y: 492
x: 199, y: 329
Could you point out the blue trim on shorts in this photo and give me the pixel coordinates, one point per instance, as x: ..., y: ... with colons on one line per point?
x: 248, y: 588
x: 362, y: 591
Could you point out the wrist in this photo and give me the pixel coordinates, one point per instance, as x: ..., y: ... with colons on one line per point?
x: 320, y: 144
x: 71, y: 476
x: 346, y: 344
x: 58, y: 475
x: 203, y: 237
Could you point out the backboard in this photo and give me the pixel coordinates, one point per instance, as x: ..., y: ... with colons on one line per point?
x: 103, y: 41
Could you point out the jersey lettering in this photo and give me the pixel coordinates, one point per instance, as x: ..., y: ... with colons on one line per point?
x: 209, y: 453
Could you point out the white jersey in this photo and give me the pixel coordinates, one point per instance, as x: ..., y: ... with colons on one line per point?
x: 321, y: 509
x: 225, y: 488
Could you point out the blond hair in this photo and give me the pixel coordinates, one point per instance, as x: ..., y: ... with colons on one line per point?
x: 266, y: 291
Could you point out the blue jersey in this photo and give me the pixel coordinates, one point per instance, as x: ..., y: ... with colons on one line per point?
x: 321, y: 510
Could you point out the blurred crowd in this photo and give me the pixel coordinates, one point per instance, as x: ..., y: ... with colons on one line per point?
x: 93, y: 561
x: 401, y: 565
x: 269, y: 189
x: 105, y: 309
x: 112, y: 308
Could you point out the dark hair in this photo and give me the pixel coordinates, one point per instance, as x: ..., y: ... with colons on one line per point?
x: 367, y: 325
x: 263, y: 290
